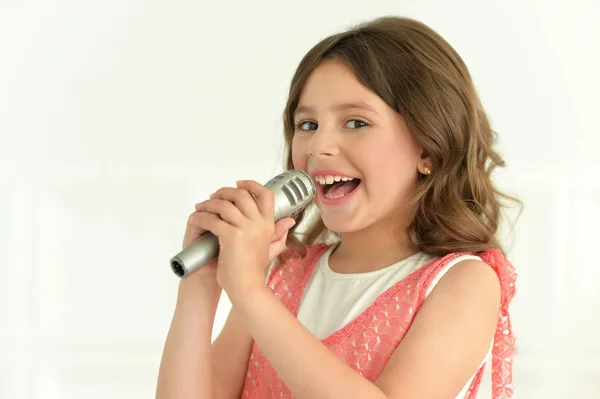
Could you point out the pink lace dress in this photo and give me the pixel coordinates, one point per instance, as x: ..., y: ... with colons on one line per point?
x: 367, y: 343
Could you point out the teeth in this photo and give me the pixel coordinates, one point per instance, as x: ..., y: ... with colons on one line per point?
x: 330, y: 179
x: 335, y: 196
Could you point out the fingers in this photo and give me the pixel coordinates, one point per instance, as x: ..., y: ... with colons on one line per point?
x: 279, y: 239
x: 224, y: 209
x: 241, y: 198
x: 206, y: 221
x: 282, y: 227
x: 264, y: 196
x: 277, y: 246
x: 249, y: 201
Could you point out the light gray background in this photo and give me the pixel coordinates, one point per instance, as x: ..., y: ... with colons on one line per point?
x: 117, y: 116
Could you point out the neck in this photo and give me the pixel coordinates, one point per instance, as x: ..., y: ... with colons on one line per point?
x: 371, y: 249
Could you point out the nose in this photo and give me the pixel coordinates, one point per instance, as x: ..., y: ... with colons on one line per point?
x: 323, y: 143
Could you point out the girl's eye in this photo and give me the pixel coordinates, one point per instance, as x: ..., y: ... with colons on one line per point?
x: 356, y: 124
x: 306, y: 125
x: 309, y: 125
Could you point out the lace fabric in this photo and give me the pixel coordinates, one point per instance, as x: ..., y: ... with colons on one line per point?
x: 366, y: 343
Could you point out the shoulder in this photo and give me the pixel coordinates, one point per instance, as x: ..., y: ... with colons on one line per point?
x: 470, y: 282
x: 451, y: 334
x: 468, y: 272
x: 460, y: 269
x: 462, y: 283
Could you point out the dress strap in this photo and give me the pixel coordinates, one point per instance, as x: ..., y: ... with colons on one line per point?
x: 504, y: 341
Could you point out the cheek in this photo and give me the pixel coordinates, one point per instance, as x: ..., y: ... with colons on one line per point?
x: 390, y: 157
x: 392, y: 160
x: 299, y: 157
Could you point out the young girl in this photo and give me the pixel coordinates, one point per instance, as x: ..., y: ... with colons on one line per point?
x: 410, y: 299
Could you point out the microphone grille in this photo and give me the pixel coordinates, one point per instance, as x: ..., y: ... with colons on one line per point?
x: 296, y: 185
x: 311, y: 185
x: 301, y: 185
x: 295, y: 190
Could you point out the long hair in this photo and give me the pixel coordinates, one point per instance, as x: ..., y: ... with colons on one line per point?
x: 419, y: 75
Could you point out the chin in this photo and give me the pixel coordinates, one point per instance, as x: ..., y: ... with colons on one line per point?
x: 340, y: 225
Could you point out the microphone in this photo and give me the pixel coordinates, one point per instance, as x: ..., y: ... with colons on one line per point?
x: 292, y: 190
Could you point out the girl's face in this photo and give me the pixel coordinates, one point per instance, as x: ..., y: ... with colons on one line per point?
x: 344, y: 129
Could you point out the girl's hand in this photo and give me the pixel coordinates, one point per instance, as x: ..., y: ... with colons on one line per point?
x: 248, y: 237
x: 193, y: 230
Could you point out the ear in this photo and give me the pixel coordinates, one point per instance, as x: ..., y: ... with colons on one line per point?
x: 425, y: 164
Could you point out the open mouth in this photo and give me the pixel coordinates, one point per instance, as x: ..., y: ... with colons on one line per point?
x: 338, y: 189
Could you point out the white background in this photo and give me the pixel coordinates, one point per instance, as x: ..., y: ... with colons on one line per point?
x: 117, y: 116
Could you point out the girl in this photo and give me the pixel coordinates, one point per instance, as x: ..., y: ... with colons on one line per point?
x: 410, y: 299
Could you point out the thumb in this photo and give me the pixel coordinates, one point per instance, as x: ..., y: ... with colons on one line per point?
x: 282, y: 226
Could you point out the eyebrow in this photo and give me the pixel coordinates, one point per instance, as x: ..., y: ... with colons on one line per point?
x: 339, y: 107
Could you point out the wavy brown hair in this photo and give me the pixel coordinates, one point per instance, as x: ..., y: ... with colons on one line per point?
x: 418, y: 74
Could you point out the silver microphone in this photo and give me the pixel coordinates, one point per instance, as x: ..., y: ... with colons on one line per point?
x: 292, y: 190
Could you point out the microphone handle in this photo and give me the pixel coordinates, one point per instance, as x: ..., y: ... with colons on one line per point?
x: 293, y: 189
x: 196, y: 255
